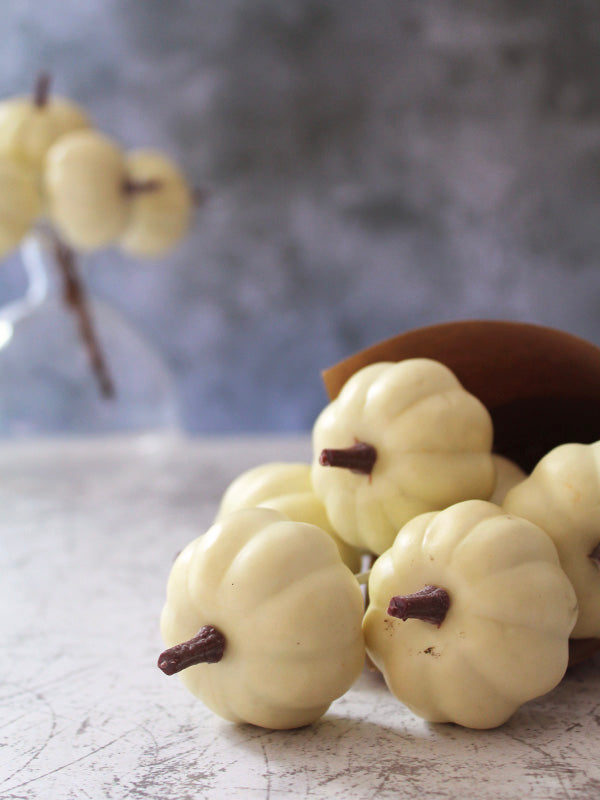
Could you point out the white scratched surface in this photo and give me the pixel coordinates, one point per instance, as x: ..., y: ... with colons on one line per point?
x: 88, y: 531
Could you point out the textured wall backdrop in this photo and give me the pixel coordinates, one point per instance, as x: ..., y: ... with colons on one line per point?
x: 373, y: 166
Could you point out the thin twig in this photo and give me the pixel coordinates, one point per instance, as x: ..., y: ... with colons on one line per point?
x: 75, y: 297
x: 41, y: 90
x: 131, y: 186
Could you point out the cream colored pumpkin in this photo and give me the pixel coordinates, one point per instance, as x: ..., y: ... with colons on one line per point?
x: 432, y: 441
x: 84, y: 181
x: 562, y: 496
x: 161, y: 209
x: 27, y: 130
x: 290, y: 612
x: 504, y: 637
x: 20, y: 203
x: 287, y: 488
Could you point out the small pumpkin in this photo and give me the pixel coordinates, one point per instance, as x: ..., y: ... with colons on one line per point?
x: 160, y: 206
x: 84, y: 180
x: 562, y: 496
x: 263, y: 620
x: 470, y: 615
x: 399, y: 440
x: 29, y: 125
x: 287, y: 488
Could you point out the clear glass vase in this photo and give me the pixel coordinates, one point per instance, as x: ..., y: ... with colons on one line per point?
x: 71, y: 364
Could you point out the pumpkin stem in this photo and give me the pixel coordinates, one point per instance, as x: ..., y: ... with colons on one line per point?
x: 131, y: 186
x: 206, y: 647
x: 595, y: 555
x: 360, y: 458
x: 430, y: 604
x: 41, y: 90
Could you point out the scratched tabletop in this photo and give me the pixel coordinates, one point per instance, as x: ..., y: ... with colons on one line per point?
x: 89, y: 530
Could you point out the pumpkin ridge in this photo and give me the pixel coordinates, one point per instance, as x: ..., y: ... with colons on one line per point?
x: 465, y: 459
x: 455, y: 391
x: 353, y: 394
x: 304, y: 586
x: 519, y: 693
x: 480, y: 527
x: 281, y: 527
x: 499, y: 689
x: 409, y: 408
x: 539, y: 625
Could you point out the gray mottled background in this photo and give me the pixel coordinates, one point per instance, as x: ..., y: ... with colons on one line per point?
x: 373, y: 166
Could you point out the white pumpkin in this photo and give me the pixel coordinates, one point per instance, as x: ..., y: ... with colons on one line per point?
x: 269, y: 603
x: 84, y: 181
x: 161, y: 204
x: 470, y: 615
x: 28, y: 128
x: 399, y: 440
x: 562, y: 496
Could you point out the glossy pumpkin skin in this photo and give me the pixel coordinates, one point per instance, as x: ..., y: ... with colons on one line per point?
x: 504, y: 640
x: 433, y: 441
x: 562, y: 496
x: 290, y: 611
x: 286, y: 487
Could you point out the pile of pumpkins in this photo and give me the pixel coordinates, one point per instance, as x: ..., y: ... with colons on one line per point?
x: 57, y: 169
x: 459, y: 576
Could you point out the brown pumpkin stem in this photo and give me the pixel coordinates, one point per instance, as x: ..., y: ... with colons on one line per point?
x: 360, y: 458
x: 131, y: 186
x: 41, y: 90
x: 206, y: 647
x: 430, y: 604
x: 75, y: 298
x: 595, y: 555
